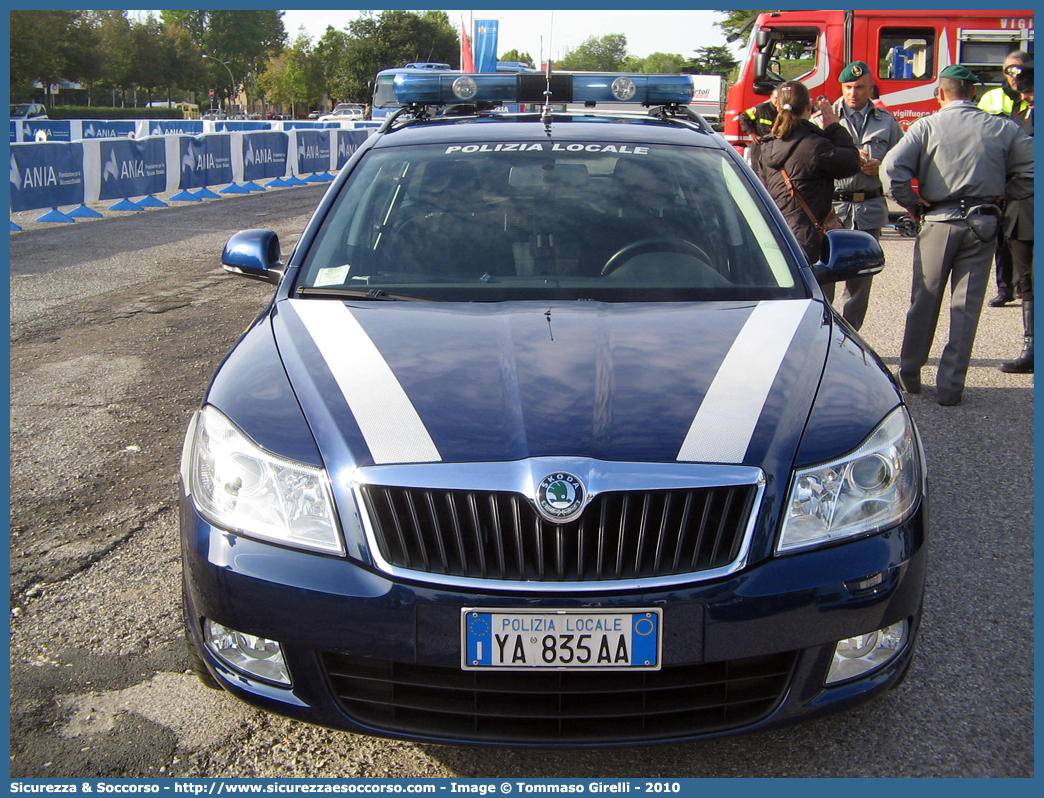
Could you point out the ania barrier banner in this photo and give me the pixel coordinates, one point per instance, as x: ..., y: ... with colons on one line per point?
x: 186, y: 127
x: 108, y: 129
x: 54, y: 129
x: 205, y: 161
x: 348, y: 142
x: 264, y: 155
x: 222, y: 127
x: 313, y: 151
x: 46, y: 175
x: 133, y: 168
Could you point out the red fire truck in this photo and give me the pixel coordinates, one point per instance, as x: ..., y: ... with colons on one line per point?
x: 906, y: 51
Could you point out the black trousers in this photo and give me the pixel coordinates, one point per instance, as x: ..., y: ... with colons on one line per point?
x: 1021, y: 253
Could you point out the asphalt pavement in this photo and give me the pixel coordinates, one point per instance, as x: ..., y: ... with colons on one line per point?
x: 116, y: 327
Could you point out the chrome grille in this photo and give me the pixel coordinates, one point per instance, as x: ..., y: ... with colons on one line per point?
x: 590, y: 707
x: 498, y: 535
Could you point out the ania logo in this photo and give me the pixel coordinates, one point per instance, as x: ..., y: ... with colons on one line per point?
x: 560, y: 497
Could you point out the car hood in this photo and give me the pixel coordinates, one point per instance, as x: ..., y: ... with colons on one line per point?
x: 411, y: 382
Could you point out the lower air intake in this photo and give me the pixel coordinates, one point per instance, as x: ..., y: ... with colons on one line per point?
x: 559, y: 707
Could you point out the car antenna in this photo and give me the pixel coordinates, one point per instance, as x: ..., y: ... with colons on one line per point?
x: 545, y: 112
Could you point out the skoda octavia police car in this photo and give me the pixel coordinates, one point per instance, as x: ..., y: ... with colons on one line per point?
x: 548, y: 437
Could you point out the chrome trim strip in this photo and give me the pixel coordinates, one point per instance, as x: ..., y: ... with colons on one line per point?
x: 726, y: 419
x: 387, y: 418
x: 521, y: 476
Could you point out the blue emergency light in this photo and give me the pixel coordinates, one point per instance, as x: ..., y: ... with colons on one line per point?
x: 497, y: 88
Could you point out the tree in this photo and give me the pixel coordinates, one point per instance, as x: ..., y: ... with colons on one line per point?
x: 737, y: 24
x: 515, y: 55
x: 716, y: 60
x: 40, y: 47
x: 663, y: 63
x: 150, y: 55
x: 599, y: 54
x: 293, y: 77
x: 393, y: 38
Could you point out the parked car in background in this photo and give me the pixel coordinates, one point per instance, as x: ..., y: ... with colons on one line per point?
x: 344, y: 112
x: 28, y: 111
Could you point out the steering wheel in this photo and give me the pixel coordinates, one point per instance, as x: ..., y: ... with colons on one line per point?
x: 660, y: 244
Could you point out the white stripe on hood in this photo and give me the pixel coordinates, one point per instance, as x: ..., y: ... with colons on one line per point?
x: 725, y: 421
x: 389, y: 422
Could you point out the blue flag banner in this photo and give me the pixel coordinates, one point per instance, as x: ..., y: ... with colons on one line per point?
x: 56, y: 130
x: 46, y: 175
x: 132, y: 168
x: 187, y: 127
x: 348, y: 142
x: 14, y: 131
x: 485, y: 45
x: 205, y: 161
x: 264, y: 155
x: 107, y: 129
x: 313, y: 151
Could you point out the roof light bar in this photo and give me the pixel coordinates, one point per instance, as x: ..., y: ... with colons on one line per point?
x: 590, y: 87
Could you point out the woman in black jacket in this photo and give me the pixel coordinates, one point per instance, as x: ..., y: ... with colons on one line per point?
x: 813, y: 157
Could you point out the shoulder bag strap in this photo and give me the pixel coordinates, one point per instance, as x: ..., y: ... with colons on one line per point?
x: 801, y: 200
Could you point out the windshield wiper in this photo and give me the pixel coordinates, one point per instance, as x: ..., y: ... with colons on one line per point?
x: 378, y: 294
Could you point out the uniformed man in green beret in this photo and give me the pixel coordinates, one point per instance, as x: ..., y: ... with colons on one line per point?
x: 859, y: 201
x: 965, y: 162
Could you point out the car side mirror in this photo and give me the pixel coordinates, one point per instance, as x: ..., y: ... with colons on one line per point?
x: 253, y: 254
x: 847, y: 254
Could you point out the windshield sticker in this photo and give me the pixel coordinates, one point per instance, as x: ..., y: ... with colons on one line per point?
x: 558, y: 146
x: 332, y: 276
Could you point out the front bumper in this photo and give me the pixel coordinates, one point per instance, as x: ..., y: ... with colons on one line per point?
x: 375, y: 656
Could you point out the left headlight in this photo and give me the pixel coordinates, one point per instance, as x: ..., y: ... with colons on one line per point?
x: 240, y: 487
x: 870, y: 489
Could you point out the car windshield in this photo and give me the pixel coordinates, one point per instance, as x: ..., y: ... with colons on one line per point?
x: 19, y: 110
x: 536, y: 220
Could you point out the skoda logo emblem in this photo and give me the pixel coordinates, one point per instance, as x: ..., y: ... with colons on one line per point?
x: 560, y: 497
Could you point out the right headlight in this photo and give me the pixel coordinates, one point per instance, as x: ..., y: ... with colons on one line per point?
x: 238, y: 486
x: 870, y: 489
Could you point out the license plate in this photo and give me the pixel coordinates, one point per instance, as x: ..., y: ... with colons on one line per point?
x: 564, y: 639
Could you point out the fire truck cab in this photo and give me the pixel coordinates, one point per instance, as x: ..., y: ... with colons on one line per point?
x: 906, y: 51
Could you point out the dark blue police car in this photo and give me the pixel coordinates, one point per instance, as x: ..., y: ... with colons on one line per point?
x: 548, y: 437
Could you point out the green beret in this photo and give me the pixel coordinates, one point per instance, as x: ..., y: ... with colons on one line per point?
x: 958, y: 72
x: 854, y: 71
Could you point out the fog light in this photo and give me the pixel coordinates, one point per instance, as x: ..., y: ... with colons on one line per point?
x: 858, y: 655
x: 255, y: 655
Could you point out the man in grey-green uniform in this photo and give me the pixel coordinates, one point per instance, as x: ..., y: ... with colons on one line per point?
x: 859, y: 201
x: 965, y: 161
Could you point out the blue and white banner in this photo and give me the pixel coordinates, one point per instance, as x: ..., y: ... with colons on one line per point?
x: 221, y: 127
x: 313, y: 151
x: 185, y: 127
x: 485, y: 45
x: 108, y: 129
x: 55, y: 129
x: 46, y: 175
x: 132, y: 168
x: 348, y: 142
x: 205, y: 161
x: 264, y: 155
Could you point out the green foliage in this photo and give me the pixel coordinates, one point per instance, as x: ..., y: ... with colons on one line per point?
x: 601, y: 54
x: 107, y: 112
x: 662, y: 63
x: 515, y: 55
x: 715, y: 60
x: 391, y: 39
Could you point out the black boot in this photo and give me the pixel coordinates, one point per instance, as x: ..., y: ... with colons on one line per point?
x: 1024, y: 363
